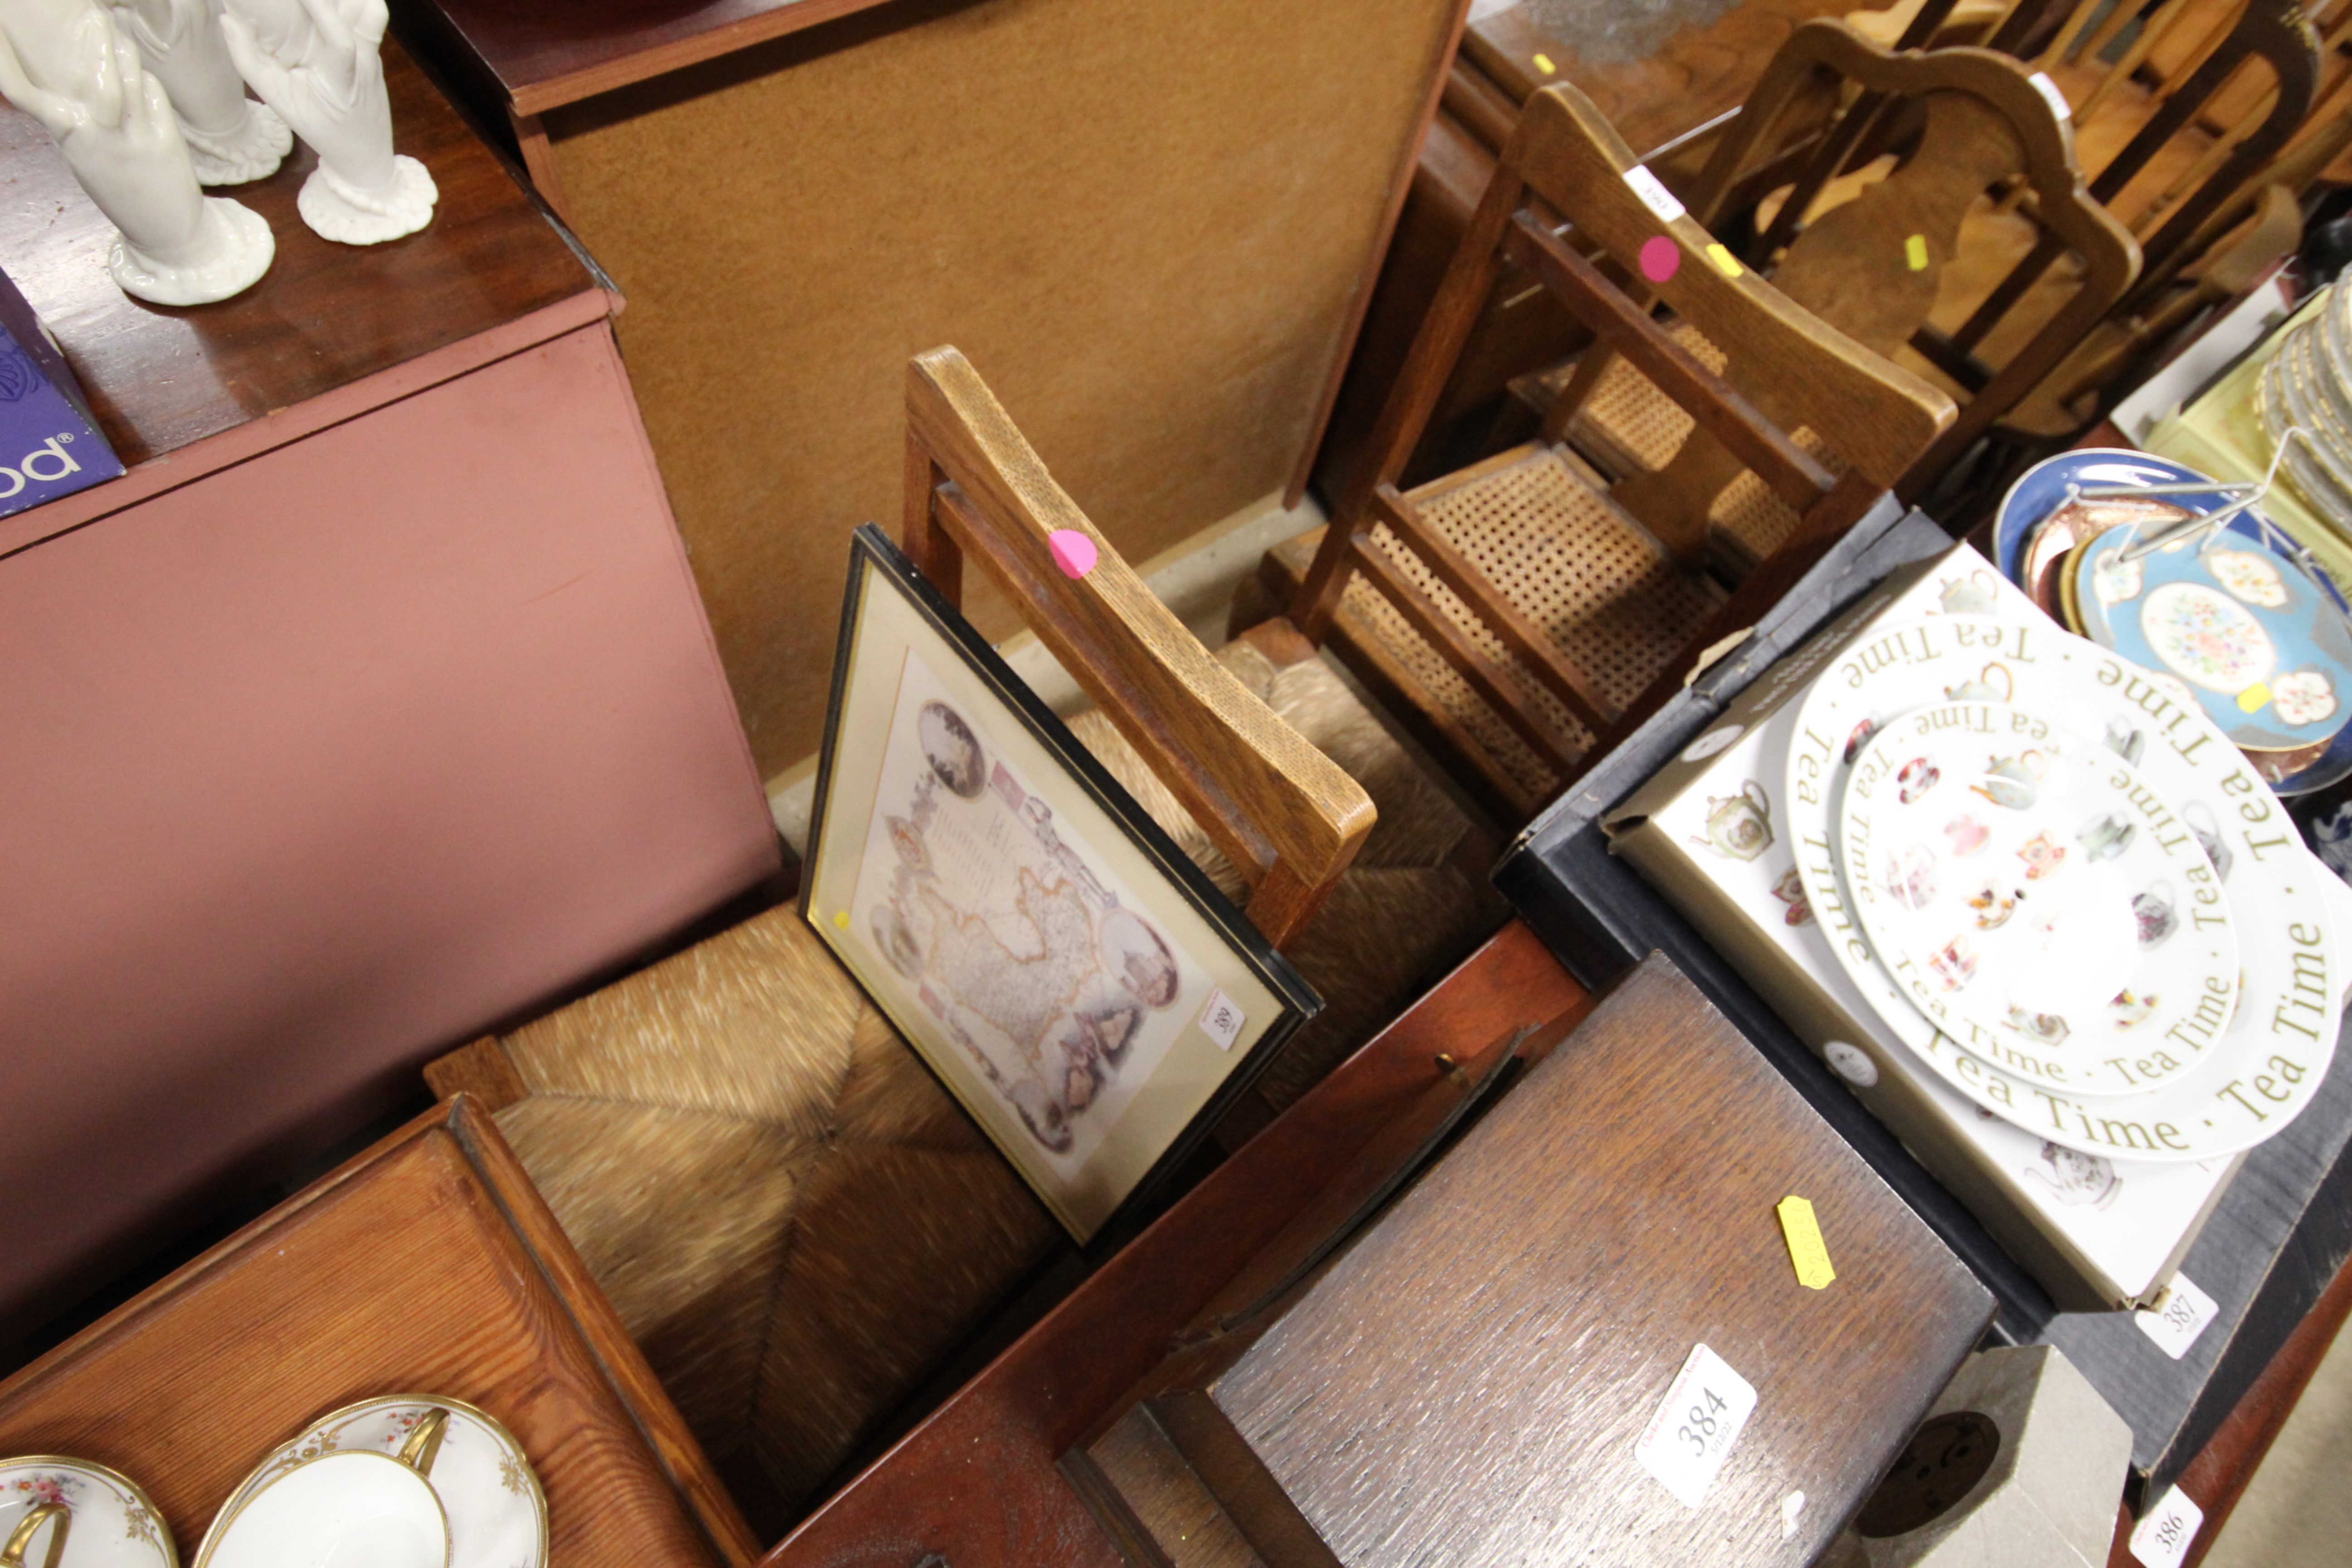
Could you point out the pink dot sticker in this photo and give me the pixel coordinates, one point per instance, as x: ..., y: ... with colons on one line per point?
x: 1661, y: 258
x: 1074, y: 553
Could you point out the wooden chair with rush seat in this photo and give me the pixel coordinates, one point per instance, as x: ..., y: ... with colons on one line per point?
x: 792, y: 1218
x: 1524, y: 608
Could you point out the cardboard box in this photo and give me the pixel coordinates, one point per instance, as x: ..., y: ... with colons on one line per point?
x: 49, y: 445
x: 2095, y: 1233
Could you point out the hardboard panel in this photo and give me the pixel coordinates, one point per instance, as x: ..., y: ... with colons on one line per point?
x: 325, y: 762
x: 1146, y: 222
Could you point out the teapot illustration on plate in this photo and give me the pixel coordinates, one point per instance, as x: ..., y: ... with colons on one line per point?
x: 2154, y: 914
x: 2012, y: 782
x: 2199, y: 817
x: 1970, y: 595
x: 1738, y: 826
x: 1980, y: 688
x: 2106, y: 836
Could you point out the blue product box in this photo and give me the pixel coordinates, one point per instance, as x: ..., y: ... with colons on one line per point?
x: 49, y: 445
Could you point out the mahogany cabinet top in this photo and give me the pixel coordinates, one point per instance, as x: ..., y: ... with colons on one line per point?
x: 546, y: 53
x: 325, y: 316
x: 428, y: 1264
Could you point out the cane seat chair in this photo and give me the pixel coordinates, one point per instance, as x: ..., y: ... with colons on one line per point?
x: 1526, y: 609
x: 795, y: 1221
x: 1879, y: 264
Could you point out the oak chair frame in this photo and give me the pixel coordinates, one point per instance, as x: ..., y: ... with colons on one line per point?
x: 2066, y: 215
x: 1286, y: 815
x: 2275, y: 31
x: 1565, y: 160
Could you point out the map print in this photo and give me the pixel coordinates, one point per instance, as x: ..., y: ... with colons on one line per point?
x: 1011, y: 934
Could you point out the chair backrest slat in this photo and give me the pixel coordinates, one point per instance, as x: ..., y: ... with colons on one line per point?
x: 1286, y: 815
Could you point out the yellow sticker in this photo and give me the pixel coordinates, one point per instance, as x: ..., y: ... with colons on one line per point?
x: 1725, y: 262
x: 841, y: 919
x: 1915, y: 251
x: 2252, y: 698
x: 1543, y: 64
x: 1806, y: 1248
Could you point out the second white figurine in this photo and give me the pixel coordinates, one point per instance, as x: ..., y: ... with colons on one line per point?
x: 316, y: 62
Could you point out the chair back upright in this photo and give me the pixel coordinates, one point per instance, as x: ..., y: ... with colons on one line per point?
x: 2255, y: 70
x: 1288, y: 817
x: 1565, y: 160
x: 1969, y: 121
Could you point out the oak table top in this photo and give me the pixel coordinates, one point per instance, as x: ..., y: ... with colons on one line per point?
x: 324, y: 316
x: 427, y: 1264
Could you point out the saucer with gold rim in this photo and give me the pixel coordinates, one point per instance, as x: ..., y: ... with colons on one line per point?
x: 110, y: 1522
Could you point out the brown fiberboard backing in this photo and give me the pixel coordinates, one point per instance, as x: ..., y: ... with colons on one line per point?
x: 1146, y: 221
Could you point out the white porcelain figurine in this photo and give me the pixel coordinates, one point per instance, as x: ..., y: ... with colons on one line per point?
x: 231, y: 139
x: 68, y: 65
x: 315, y: 62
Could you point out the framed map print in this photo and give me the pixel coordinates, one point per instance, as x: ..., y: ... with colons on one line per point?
x: 1086, y: 993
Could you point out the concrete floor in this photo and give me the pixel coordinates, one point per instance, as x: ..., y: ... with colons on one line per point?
x: 2298, y: 1511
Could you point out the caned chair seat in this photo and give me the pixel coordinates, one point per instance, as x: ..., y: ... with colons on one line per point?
x: 1629, y: 426
x: 1536, y: 524
x: 792, y: 1216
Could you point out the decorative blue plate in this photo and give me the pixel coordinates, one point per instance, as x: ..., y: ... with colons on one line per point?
x: 2267, y: 658
x: 2043, y: 489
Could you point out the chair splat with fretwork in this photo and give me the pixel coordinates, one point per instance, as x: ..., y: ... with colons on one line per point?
x: 1525, y: 608
x: 1965, y: 122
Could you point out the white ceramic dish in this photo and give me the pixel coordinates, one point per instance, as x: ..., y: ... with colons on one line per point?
x: 2276, y: 1050
x: 110, y: 1522
x: 497, y: 1512
x: 2036, y: 898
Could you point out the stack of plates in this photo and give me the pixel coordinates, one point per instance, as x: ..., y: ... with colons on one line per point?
x: 2309, y: 383
x: 2050, y: 869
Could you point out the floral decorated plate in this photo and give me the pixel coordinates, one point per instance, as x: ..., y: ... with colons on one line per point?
x: 109, y: 1521
x: 496, y: 1513
x: 2269, y: 1064
x: 2039, y: 525
x: 2034, y: 897
x: 2267, y: 656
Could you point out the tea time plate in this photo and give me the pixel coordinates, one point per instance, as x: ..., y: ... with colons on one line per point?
x: 2269, y: 1064
x: 2269, y: 658
x: 2033, y: 896
x: 497, y: 1510
x: 110, y: 1522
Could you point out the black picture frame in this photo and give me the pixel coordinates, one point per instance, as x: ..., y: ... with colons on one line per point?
x: 888, y: 604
